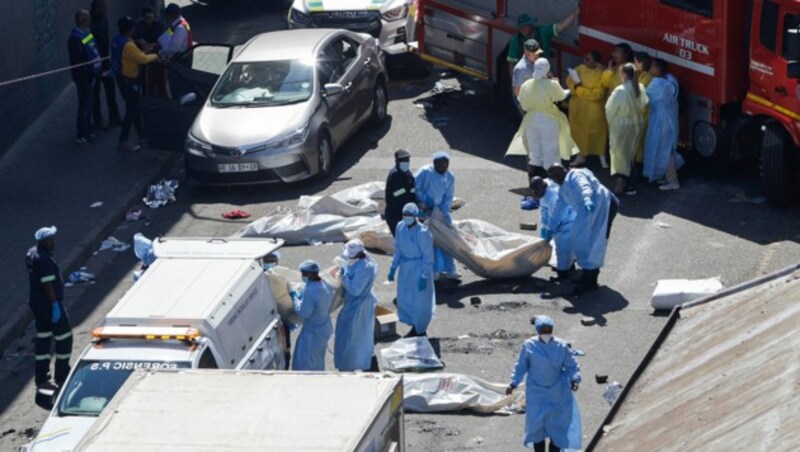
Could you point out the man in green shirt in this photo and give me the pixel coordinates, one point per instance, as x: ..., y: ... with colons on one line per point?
x: 527, y: 29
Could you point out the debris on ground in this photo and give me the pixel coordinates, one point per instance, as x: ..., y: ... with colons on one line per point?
x: 8, y: 432
x: 577, y: 352
x: 612, y: 392
x: 97, y: 204
x: 600, y: 379
x: 79, y: 277
x: 663, y: 225
x: 529, y: 226
x: 161, y: 194
x: 673, y: 292
x: 507, y: 306
x: 112, y: 243
x: 463, y: 336
x: 741, y: 198
x: 475, y: 301
x: 517, y: 288
x: 440, y: 87
x: 235, y: 214
x: 477, y: 440
x: 133, y: 215
x: 528, y: 203
x: 588, y: 321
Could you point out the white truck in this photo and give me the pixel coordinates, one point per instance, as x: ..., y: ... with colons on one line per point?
x: 266, y: 411
x: 203, y: 304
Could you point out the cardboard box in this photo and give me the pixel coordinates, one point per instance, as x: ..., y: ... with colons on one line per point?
x: 385, y: 322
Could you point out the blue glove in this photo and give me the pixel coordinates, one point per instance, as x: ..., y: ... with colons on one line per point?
x: 588, y: 204
x: 547, y: 234
x: 430, y: 203
x: 392, y: 271
x: 422, y: 283
x: 56, y: 313
x: 447, y: 218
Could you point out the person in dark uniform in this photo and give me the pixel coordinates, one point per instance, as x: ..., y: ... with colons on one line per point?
x: 399, y: 188
x: 46, y: 302
x: 102, y: 37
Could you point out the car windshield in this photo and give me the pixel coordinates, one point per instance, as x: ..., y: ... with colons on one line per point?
x: 266, y: 83
x: 94, y: 383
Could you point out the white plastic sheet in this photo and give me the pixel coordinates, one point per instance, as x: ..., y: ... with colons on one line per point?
x: 282, y: 280
x: 412, y: 354
x: 440, y: 392
x: 673, y: 292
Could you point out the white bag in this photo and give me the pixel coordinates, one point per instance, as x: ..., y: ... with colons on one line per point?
x: 412, y: 354
x: 440, y: 392
x: 673, y: 292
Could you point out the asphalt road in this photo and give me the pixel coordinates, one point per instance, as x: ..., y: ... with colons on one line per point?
x: 713, y: 226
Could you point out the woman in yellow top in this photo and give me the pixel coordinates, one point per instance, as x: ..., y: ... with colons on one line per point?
x: 643, y: 62
x: 544, y: 131
x: 587, y: 116
x: 624, y: 112
x: 621, y: 55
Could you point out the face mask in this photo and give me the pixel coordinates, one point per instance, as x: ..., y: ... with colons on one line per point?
x: 352, y: 260
x: 545, y: 337
x: 306, y: 279
x: 409, y: 220
x: 404, y: 166
x: 268, y: 266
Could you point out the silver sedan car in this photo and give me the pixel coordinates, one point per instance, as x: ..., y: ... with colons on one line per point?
x: 279, y: 110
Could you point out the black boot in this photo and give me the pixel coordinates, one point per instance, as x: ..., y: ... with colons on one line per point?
x: 587, y: 281
x: 563, y: 275
x: 412, y: 333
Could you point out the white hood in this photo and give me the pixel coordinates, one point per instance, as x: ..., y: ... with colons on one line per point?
x: 343, y: 5
x: 61, y: 434
x: 245, y: 126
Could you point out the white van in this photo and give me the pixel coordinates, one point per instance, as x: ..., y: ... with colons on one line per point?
x: 203, y: 304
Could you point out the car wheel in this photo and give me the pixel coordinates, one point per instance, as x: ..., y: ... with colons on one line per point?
x: 324, y: 155
x: 380, y: 101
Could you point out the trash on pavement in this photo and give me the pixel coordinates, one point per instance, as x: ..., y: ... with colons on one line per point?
x: 96, y: 204
x: 577, y: 352
x: 612, y: 392
x: 440, y: 87
x: 600, y: 379
x: 79, y: 277
x: 112, y: 243
x: 588, y: 321
x: 133, y: 215
x: 442, y: 392
x: 663, y: 225
x: 385, y: 322
x: 235, y: 214
x: 161, y: 194
x: 528, y: 226
x: 282, y: 280
x: 673, y: 292
x: 412, y: 354
x: 475, y: 301
x: 528, y: 203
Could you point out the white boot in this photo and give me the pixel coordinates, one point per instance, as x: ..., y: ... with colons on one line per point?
x: 603, y: 162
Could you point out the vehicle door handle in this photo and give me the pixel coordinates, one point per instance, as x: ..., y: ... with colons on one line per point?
x: 348, y: 86
x: 367, y: 62
x: 781, y: 91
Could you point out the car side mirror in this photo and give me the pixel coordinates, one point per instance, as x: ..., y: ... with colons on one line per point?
x: 332, y: 89
x: 793, y: 69
x: 792, y: 50
x: 188, y: 98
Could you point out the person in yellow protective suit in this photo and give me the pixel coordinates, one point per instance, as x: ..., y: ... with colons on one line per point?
x: 624, y: 112
x: 621, y: 55
x: 643, y: 62
x: 587, y: 115
x: 544, y: 132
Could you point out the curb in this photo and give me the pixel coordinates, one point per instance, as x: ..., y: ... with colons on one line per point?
x: 16, y: 324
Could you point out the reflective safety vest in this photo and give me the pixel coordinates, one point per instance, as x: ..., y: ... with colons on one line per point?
x: 185, y: 24
x: 90, y: 46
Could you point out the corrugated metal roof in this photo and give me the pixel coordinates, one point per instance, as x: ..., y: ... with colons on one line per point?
x: 727, y: 376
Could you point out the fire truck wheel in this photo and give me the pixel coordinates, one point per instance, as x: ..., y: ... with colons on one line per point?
x: 776, y: 168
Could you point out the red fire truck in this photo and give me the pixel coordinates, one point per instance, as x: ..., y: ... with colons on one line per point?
x: 737, y: 61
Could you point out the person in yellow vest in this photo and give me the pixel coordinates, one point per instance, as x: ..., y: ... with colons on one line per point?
x: 621, y: 55
x: 624, y: 112
x: 587, y: 116
x: 544, y: 132
x: 180, y: 33
x: 643, y: 62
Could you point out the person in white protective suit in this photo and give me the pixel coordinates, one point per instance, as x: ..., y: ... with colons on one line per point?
x: 313, y: 305
x: 553, y: 375
x: 435, y: 187
x: 413, y: 256
x: 556, y: 218
x: 595, y: 208
x: 354, y: 344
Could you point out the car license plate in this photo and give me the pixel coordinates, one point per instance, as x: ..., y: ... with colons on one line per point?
x: 237, y: 167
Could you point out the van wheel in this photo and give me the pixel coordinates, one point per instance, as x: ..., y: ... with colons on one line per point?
x: 776, y: 170
x: 380, y: 101
x: 324, y: 155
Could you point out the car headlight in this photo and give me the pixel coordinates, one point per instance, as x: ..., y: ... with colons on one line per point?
x: 299, y: 17
x: 196, y: 146
x: 295, y: 138
x: 400, y: 12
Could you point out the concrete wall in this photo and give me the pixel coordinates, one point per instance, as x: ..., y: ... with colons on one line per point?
x: 33, y: 39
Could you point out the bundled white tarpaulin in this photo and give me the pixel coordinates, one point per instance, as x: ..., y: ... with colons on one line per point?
x: 673, y: 292
x: 412, y: 354
x: 282, y: 280
x: 440, y: 392
x: 487, y: 250
x: 375, y: 237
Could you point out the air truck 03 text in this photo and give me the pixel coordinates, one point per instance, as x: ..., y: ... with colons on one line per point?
x: 204, y: 303
x: 737, y: 61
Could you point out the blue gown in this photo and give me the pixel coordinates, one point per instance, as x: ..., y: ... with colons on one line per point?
x: 551, y: 409
x: 413, y: 256
x: 588, y: 234
x: 661, y: 139
x: 354, y: 344
x: 314, y: 307
x: 557, y: 216
x: 436, y: 190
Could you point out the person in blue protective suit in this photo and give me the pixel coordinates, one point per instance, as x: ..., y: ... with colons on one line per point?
x: 413, y: 256
x: 552, y: 376
x: 313, y: 305
x: 595, y: 208
x: 556, y: 217
x: 435, y: 186
x: 661, y: 141
x: 354, y: 346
